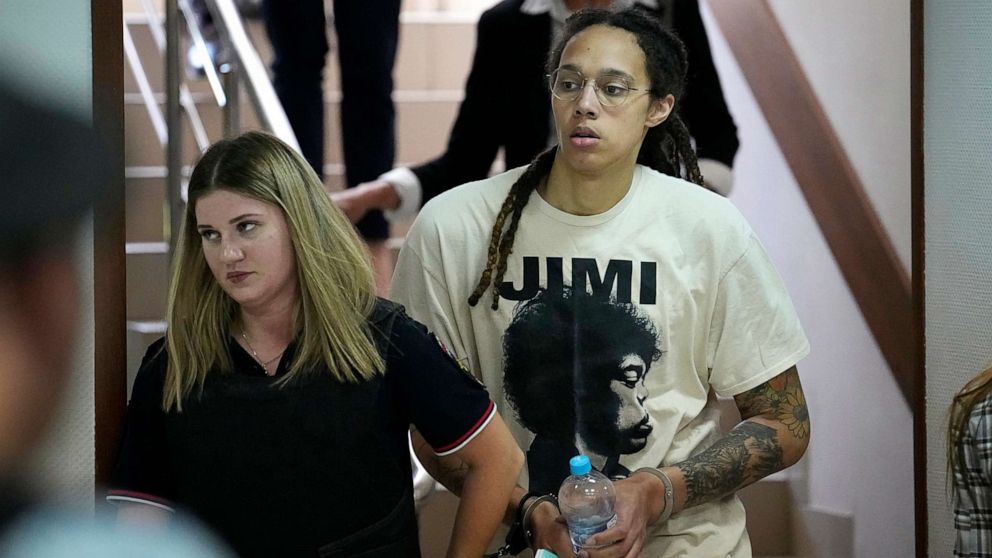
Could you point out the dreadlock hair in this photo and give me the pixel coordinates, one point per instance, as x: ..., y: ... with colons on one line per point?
x: 666, y: 147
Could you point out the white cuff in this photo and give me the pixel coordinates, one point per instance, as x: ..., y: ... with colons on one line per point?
x: 718, y: 176
x: 408, y: 189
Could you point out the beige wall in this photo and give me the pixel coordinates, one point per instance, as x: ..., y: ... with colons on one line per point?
x: 958, y: 218
x: 854, y: 488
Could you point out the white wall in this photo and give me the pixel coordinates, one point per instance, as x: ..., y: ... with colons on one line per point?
x: 45, y: 48
x: 856, y: 55
x: 958, y: 217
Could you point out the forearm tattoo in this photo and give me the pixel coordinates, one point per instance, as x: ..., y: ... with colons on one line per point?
x: 752, y: 450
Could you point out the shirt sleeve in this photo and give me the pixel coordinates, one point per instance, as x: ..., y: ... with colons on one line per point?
x: 755, y: 333
x: 444, y: 401
x: 142, y: 470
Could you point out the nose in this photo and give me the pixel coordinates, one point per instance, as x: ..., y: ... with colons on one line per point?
x: 641, y: 393
x: 231, y: 252
x: 588, y: 103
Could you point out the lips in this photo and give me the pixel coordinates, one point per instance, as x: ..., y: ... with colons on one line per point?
x: 643, y: 428
x: 584, y: 132
x: 583, y: 136
x: 237, y: 276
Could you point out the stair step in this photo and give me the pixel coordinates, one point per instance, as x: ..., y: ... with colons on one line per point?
x: 426, y: 122
x: 425, y: 59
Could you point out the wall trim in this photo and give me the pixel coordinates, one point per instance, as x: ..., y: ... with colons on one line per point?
x: 917, y: 186
x: 110, y: 374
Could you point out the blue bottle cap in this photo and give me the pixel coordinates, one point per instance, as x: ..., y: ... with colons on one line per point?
x: 579, y: 465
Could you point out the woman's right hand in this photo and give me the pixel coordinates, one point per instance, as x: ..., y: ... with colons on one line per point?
x: 549, y: 530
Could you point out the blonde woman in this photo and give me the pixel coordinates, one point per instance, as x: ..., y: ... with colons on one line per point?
x: 969, y: 461
x: 278, y: 404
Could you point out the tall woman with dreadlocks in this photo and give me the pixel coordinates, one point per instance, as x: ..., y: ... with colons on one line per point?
x: 605, y: 215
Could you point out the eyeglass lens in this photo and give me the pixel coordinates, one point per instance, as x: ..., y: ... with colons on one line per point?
x: 568, y: 85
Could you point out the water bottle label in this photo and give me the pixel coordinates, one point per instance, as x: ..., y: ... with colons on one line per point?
x: 590, y: 526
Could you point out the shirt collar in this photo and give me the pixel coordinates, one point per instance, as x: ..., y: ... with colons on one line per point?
x: 558, y: 11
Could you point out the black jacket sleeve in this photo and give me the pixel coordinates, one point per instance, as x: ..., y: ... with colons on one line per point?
x: 703, y: 106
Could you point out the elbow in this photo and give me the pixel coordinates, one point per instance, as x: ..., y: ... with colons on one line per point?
x: 516, y: 462
x: 798, y: 441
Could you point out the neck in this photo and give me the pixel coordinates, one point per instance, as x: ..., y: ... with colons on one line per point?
x: 272, y: 325
x: 585, y: 193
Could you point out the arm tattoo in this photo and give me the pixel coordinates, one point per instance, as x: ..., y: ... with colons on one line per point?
x: 780, y: 398
x: 449, y: 471
x: 750, y: 452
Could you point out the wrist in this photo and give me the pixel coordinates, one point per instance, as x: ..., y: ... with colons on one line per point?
x: 383, y: 194
x: 539, y: 510
x: 660, y: 493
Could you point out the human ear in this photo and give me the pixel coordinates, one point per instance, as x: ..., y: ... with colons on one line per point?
x: 660, y: 110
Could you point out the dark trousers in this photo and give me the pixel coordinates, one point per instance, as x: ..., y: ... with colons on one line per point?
x: 367, y: 33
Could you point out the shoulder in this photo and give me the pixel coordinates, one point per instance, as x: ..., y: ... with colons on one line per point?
x: 692, y: 205
x: 470, y: 207
x: 394, y: 327
x: 150, y: 379
x: 981, y: 413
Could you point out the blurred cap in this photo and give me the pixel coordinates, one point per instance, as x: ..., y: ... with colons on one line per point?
x: 52, y: 169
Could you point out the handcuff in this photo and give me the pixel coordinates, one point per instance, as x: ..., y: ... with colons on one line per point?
x: 519, y: 537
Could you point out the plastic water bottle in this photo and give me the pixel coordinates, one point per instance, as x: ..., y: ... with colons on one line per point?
x: 587, y: 500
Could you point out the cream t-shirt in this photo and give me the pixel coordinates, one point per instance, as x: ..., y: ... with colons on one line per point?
x: 670, y: 261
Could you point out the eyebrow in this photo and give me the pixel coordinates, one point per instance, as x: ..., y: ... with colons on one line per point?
x: 606, y: 71
x: 232, y: 221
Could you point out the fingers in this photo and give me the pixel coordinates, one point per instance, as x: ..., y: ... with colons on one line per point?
x: 550, y: 532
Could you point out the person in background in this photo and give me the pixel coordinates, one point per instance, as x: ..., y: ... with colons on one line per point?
x: 277, y: 407
x: 367, y: 35
x: 52, y: 170
x: 604, y: 214
x: 969, y: 464
x: 506, y: 106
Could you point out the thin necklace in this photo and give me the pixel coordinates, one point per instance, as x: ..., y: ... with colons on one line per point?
x: 258, y: 359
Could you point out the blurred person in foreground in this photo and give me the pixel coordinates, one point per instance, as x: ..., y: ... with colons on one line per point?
x: 278, y: 406
x: 969, y: 464
x: 51, y: 171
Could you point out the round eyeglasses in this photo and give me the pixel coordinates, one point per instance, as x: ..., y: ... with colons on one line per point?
x: 611, y: 90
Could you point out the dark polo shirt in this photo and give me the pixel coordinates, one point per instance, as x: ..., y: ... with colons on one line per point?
x: 312, y: 468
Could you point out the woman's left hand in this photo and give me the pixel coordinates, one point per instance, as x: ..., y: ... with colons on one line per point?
x: 638, y: 505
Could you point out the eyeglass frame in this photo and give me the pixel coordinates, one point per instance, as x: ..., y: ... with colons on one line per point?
x: 595, y: 86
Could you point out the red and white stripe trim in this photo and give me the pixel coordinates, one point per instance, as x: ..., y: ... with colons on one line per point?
x: 471, y: 434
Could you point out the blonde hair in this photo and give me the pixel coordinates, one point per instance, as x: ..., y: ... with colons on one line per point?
x: 334, y: 276
x: 964, y: 402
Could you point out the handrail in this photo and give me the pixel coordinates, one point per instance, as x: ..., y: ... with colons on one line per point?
x: 201, y: 46
x: 833, y: 191
x: 244, y: 67
x: 256, y: 78
x: 147, y: 95
x: 185, y: 98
